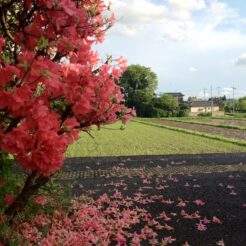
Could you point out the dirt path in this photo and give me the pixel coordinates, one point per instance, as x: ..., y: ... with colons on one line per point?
x: 229, y: 122
x: 230, y: 133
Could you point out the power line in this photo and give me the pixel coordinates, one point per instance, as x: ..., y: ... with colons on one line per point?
x: 204, y: 93
x: 233, y: 97
x: 212, y: 102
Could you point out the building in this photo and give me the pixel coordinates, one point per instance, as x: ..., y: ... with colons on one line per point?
x: 198, y: 107
x: 177, y: 95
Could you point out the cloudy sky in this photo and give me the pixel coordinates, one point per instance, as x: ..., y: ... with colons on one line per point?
x: 189, y: 44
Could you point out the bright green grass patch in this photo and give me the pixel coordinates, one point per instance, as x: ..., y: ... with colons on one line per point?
x: 140, y: 139
x: 197, y: 133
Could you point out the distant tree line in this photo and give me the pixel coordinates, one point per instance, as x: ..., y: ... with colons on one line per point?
x: 230, y: 105
x: 138, y: 84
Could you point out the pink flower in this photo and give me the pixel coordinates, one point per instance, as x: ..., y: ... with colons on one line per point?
x: 164, y: 216
x: 201, y: 226
x: 41, y: 220
x: 136, y: 240
x: 121, y: 239
x: 9, y: 199
x: 199, y: 202
x: 205, y: 220
x: 169, y: 228
x: 2, y: 43
x: 216, y: 220
x: 181, y: 204
x: 40, y: 200
x: 169, y: 239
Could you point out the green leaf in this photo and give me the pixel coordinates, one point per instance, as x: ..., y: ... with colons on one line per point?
x: 43, y: 43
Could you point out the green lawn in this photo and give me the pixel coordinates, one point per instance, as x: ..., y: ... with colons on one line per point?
x: 139, y: 139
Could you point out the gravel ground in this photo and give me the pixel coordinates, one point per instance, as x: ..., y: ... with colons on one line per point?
x: 218, y: 181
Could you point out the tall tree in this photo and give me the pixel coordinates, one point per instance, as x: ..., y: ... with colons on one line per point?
x: 138, y: 84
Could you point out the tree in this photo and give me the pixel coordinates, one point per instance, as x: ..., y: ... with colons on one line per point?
x: 221, y: 101
x: 167, y: 105
x: 138, y: 84
x: 51, y: 83
x: 183, y: 110
x: 241, y: 104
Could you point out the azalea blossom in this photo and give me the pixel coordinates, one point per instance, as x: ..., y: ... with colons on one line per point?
x: 40, y: 200
x: 199, y: 202
x: 9, y: 199
x: 201, y: 226
x: 216, y: 220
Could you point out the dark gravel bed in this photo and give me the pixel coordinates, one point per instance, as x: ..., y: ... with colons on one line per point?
x: 83, y: 163
x: 223, y: 194
x: 210, y: 188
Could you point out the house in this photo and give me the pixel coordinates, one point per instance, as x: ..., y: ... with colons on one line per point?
x: 177, y: 95
x: 198, y: 107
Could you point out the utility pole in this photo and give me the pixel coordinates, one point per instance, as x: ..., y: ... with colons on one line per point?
x: 233, y: 98
x: 204, y: 93
x: 212, y: 103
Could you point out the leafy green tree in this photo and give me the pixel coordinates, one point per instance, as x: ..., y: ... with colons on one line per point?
x: 231, y: 105
x: 138, y: 84
x: 183, y: 110
x: 167, y: 105
x: 221, y: 101
x: 242, y: 104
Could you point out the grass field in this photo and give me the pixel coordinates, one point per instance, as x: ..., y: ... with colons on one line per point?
x: 139, y: 139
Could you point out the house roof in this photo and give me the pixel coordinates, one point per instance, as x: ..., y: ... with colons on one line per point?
x: 202, y: 104
x: 175, y: 94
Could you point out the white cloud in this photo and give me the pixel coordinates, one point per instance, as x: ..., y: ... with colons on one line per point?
x: 203, y: 95
x: 241, y: 60
x: 202, y: 24
x: 170, y: 36
x: 138, y: 11
x: 217, y: 13
x: 193, y: 69
x: 187, y: 5
x: 227, y: 91
x: 167, y: 20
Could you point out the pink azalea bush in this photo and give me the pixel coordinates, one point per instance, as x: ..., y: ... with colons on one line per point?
x: 53, y: 84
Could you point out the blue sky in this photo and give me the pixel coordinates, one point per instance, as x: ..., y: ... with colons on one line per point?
x: 189, y: 44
